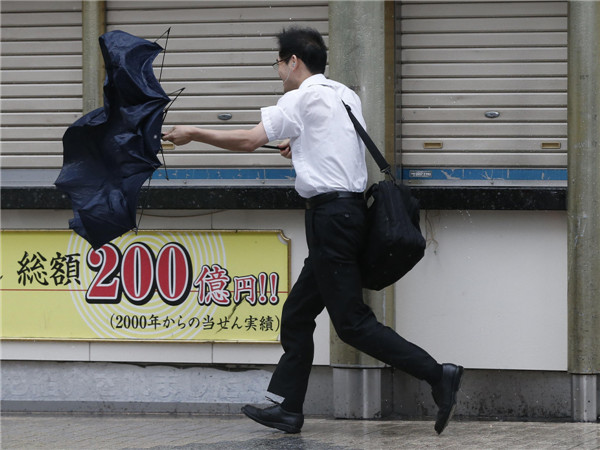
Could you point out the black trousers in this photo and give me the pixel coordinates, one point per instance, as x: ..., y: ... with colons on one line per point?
x: 330, y: 279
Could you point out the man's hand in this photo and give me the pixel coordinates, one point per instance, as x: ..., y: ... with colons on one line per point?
x: 180, y: 134
x: 285, y: 150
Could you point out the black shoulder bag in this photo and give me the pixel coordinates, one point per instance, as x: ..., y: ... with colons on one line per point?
x: 394, y: 243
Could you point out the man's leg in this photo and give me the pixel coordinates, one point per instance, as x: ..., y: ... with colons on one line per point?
x: 303, y: 305
x: 338, y: 240
x: 338, y: 234
x: 335, y: 238
x: 290, y: 379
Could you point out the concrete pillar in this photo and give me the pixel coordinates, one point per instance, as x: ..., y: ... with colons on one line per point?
x: 584, y: 396
x: 584, y: 206
x: 361, y: 56
x: 93, y: 26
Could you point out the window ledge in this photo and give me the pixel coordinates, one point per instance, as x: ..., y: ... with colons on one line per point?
x: 285, y: 197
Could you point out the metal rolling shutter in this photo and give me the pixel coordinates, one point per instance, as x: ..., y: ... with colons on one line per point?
x: 221, y: 52
x: 41, y: 80
x: 458, y: 61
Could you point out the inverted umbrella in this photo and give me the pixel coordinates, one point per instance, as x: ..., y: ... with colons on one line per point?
x: 110, y: 152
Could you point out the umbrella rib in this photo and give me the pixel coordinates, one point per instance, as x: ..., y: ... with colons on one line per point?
x: 177, y: 94
x: 166, y: 110
x: 162, y: 64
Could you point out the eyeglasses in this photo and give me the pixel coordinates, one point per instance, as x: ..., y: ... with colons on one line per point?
x: 278, y: 61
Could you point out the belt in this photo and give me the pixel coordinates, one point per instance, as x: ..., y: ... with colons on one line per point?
x: 317, y: 200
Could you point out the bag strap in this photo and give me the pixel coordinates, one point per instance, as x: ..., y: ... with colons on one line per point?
x: 380, y: 160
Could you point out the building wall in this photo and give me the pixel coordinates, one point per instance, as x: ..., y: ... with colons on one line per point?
x: 490, y: 293
x: 494, y: 281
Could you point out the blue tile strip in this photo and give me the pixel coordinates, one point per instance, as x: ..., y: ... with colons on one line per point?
x: 224, y: 174
x: 475, y: 174
x: 424, y: 174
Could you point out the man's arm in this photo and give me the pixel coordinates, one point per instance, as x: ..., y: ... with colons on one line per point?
x: 236, y: 140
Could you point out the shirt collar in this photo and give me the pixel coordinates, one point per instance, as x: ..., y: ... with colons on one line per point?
x: 319, y: 78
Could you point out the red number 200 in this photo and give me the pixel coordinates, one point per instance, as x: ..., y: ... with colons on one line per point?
x: 138, y: 273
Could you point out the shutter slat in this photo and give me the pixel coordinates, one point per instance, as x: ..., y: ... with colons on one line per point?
x: 210, y: 117
x: 33, y: 132
x: 43, y: 62
x: 41, y: 48
x: 7, y: 6
x: 474, y: 115
x: 36, y: 105
x: 116, y: 5
x: 54, y: 118
x: 475, y: 145
x: 484, y: 130
x: 491, y: 69
x: 219, y: 58
x: 485, y: 54
x: 224, y: 102
x: 212, y: 30
x: 50, y: 76
x: 61, y: 33
x: 41, y: 91
x: 485, y: 39
x: 485, y: 99
x: 491, y: 24
x: 28, y: 151
x: 196, y: 14
x: 488, y: 9
x: 33, y: 18
x: 488, y: 84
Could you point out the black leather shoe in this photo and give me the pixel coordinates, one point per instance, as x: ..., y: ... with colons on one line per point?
x: 444, y: 394
x: 275, y: 417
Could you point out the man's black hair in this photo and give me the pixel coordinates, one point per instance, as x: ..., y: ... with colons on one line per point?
x: 307, y: 44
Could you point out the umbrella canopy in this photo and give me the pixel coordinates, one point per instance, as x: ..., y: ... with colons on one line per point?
x: 110, y: 152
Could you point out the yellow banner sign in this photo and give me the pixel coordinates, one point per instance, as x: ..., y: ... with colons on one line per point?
x: 159, y: 285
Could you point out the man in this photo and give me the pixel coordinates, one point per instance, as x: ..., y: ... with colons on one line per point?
x: 329, y: 160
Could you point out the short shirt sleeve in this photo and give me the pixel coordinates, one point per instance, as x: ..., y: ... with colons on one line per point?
x: 282, y: 121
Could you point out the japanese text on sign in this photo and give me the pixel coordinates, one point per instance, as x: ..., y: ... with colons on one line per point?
x: 160, y: 285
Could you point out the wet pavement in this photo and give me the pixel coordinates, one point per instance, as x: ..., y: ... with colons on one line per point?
x: 157, y: 431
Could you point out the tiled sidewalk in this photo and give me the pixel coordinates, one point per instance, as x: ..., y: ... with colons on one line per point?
x: 119, y: 431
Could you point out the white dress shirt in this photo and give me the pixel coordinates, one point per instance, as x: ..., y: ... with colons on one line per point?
x: 327, y: 153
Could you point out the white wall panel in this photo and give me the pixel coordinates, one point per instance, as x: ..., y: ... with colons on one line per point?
x: 491, y: 291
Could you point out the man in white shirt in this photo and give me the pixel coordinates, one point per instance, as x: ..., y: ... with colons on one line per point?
x: 331, y: 174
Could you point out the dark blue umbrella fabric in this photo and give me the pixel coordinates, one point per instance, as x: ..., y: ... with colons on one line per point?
x: 110, y: 152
